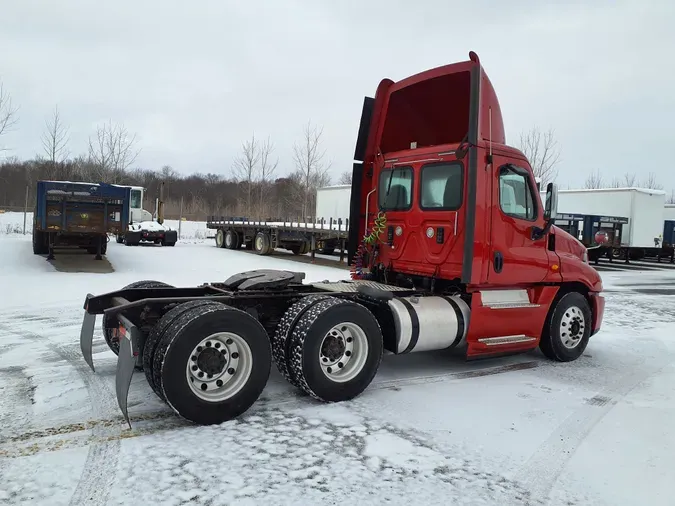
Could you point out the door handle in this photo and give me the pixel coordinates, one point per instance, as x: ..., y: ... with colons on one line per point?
x: 498, y: 262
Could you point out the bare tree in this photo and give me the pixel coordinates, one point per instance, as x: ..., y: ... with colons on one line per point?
x: 594, y: 180
x: 630, y: 179
x: 8, y: 110
x: 616, y: 183
x: 651, y: 182
x: 543, y: 153
x: 671, y: 199
x: 244, y: 170
x: 112, y: 151
x: 55, y: 142
x: 266, y: 173
x: 345, y: 177
x: 309, y: 163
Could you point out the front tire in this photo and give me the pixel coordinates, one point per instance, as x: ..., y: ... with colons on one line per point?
x: 567, y: 328
x: 214, y: 362
x: 335, y: 350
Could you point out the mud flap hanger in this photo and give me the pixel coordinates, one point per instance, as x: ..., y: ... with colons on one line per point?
x: 127, y: 359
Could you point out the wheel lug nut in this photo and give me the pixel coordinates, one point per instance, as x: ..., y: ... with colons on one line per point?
x: 219, y: 383
x: 340, y: 365
x: 201, y: 374
x: 194, y: 367
x: 229, y: 341
x: 193, y: 358
x: 209, y: 376
x: 349, y: 339
x: 223, y: 351
x: 235, y: 355
x: 199, y: 349
x: 217, y: 345
x: 204, y: 386
x: 329, y: 369
x: 324, y: 359
x: 348, y: 353
x: 208, y: 344
x: 231, y: 370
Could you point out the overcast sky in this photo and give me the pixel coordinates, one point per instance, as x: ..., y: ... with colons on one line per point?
x: 195, y: 79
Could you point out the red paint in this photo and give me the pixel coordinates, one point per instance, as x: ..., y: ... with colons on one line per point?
x: 423, y: 120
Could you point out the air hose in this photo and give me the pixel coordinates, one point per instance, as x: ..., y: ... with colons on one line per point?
x: 378, y: 227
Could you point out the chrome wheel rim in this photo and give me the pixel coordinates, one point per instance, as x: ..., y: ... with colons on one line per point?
x: 343, y: 352
x: 228, y: 239
x: 219, y: 238
x: 259, y: 243
x: 572, y: 327
x: 219, y: 366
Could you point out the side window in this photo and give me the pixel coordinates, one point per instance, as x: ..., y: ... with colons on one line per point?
x: 441, y: 186
x: 395, y: 189
x: 135, y: 199
x: 515, y: 194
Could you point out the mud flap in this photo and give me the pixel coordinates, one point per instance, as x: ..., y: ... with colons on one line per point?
x: 87, y: 336
x: 126, y: 363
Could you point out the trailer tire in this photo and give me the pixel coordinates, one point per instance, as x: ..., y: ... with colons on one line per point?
x: 220, y: 238
x: 336, y: 349
x: 110, y: 333
x: 240, y: 370
x: 262, y: 243
x: 284, y: 331
x: 567, y: 328
x: 231, y: 239
x: 156, y: 334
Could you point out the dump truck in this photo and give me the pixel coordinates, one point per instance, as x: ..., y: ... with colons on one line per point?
x: 451, y: 248
x: 78, y: 214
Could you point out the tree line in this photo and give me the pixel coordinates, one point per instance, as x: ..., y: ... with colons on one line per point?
x: 253, y: 188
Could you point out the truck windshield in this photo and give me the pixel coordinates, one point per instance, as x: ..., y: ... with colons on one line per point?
x: 395, y: 189
x: 135, y: 199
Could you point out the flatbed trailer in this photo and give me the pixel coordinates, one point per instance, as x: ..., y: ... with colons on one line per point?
x: 264, y: 237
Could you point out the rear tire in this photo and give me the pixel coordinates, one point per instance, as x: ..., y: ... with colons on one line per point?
x: 40, y: 243
x: 335, y: 350
x: 567, y: 328
x: 110, y: 332
x: 282, y: 336
x: 236, y: 354
x: 157, y: 333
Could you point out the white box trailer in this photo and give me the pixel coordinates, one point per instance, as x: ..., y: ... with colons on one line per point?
x: 643, y: 207
x: 333, y: 202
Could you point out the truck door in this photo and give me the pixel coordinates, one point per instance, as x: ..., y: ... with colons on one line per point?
x: 516, y: 258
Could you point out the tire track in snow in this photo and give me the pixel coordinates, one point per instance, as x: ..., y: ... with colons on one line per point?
x: 543, y: 468
x: 98, y: 472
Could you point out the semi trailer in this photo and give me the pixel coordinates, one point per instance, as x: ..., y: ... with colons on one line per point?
x: 451, y: 247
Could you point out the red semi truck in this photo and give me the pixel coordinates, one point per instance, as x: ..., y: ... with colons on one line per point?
x: 451, y: 247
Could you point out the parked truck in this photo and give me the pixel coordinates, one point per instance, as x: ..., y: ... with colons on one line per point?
x: 143, y: 226
x: 78, y: 214
x: 451, y: 248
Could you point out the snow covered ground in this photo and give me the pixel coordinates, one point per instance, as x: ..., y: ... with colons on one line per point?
x: 430, y: 430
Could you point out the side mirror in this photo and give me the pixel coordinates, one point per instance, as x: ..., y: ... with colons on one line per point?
x: 551, y: 205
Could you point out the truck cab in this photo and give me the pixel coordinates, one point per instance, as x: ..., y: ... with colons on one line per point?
x: 136, y: 211
x: 457, y: 210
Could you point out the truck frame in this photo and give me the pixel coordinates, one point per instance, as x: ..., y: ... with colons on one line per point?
x: 451, y: 248
x: 78, y: 214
